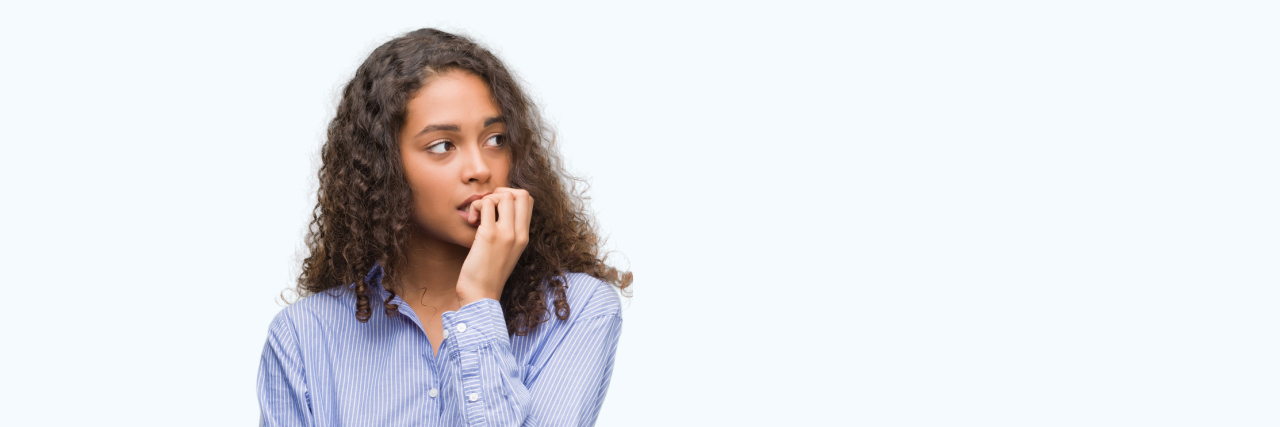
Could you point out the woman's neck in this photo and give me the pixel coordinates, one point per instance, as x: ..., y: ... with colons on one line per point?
x: 432, y: 270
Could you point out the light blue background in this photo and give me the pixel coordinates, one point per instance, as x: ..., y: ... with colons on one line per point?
x: 888, y: 214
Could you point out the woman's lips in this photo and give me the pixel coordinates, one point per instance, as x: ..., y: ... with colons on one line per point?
x: 465, y: 208
x: 467, y: 203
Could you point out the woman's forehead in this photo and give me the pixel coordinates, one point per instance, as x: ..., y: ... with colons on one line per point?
x: 457, y: 95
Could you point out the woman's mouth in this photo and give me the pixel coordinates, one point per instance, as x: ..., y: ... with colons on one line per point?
x: 465, y: 208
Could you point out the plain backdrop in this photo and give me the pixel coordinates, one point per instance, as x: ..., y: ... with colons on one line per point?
x: 987, y: 213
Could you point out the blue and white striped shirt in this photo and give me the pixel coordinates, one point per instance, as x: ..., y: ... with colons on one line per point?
x: 322, y: 367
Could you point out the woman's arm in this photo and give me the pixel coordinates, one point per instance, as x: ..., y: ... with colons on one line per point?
x: 488, y: 387
x: 282, y: 391
x: 483, y: 382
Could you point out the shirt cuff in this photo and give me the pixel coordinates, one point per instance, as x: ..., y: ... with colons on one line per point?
x: 476, y: 324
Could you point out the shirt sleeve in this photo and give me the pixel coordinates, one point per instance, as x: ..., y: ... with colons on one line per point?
x: 493, y: 390
x: 282, y: 389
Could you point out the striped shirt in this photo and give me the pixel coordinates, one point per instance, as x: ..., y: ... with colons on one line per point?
x: 322, y: 367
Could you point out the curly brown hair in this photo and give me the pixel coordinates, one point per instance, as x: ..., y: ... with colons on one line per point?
x: 364, y: 205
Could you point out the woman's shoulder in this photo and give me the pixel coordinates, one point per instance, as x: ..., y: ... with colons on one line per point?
x: 316, y: 310
x: 590, y: 297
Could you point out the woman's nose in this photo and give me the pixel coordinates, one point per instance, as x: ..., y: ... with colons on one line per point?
x: 476, y: 167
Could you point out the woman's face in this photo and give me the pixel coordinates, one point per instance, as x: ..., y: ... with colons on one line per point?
x: 453, y: 146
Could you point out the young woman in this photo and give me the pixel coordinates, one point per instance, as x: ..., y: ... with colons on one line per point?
x: 454, y: 278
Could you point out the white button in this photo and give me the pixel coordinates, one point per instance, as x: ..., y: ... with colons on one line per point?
x: 446, y: 334
x: 474, y: 397
x: 462, y: 327
x: 433, y: 392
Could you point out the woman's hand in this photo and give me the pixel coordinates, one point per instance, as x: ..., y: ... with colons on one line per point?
x: 500, y: 239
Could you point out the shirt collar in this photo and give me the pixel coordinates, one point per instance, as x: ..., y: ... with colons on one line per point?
x: 373, y: 279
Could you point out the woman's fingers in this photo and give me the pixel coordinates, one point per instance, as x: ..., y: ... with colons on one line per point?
x: 484, y: 211
x: 507, y: 211
x: 524, y: 211
x: 494, y: 204
x: 522, y: 206
x: 506, y: 215
x: 473, y: 213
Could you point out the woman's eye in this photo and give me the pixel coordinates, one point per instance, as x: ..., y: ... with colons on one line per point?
x: 497, y: 139
x: 439, y: 148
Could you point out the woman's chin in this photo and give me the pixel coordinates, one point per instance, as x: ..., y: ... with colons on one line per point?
x: 466, y: 239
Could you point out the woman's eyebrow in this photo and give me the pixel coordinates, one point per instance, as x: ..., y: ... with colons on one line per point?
x: 432, y: 128
x: 454, y: 128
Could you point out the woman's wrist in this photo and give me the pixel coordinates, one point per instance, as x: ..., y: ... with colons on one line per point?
x: 468, y: 297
